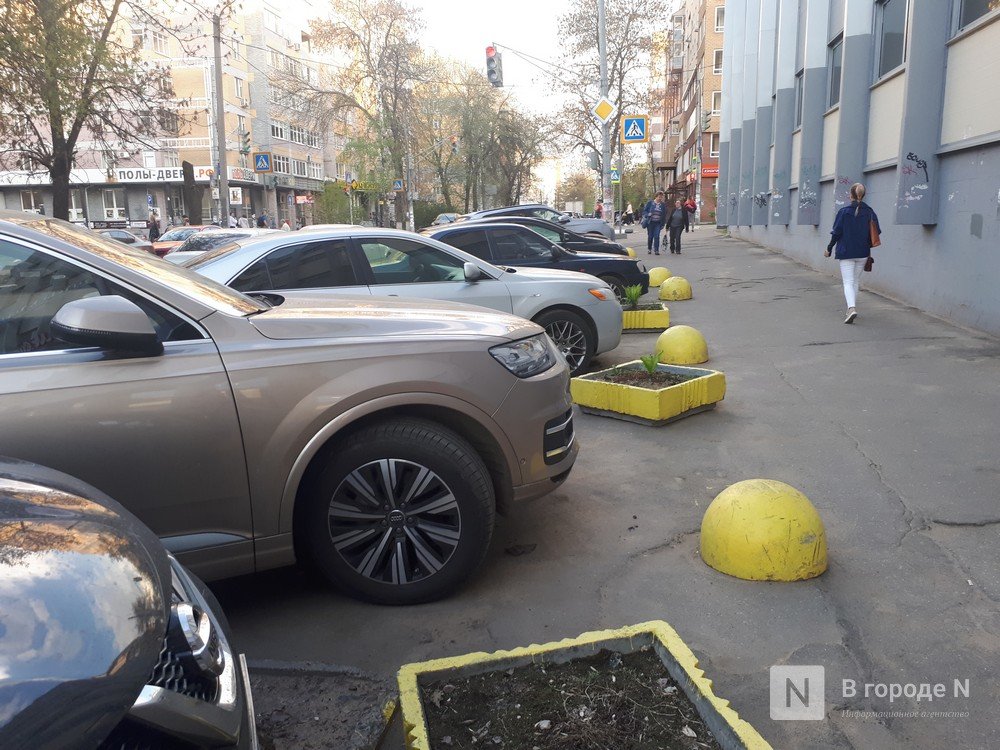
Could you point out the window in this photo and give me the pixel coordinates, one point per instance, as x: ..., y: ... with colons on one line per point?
x: 277, y: 59
x: 299, y: 168
x: 241, y: 124
x: 158, y: 41
x: 552, y: 235
x: 717, y: 64
x: 720, y: 18
x: 798, y: 99
x: 313, y: 265
x: 520, y: 244
x: 971, y: 10
x: 542, y: 213
x: 890, y: 35
x: 114, y: 204
x: 713, y: 149
x: 716, y: 102
x: 31, y: 200
x: 138, y: 37
x: 397, y: 261
x: 271, y: 20
x: 36, y: 285
x: 280, y: 163
x: 108, y: 161
x: 316, y: 170
x: 836, y: 66
x: 76, y: 205
x: 474, y: 243
x: 278, y: 130
x: 149, y: 159
x: 675, y: 127
x: 238, y: 83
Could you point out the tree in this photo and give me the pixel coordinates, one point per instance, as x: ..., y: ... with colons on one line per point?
x: 578, y: 186
x: 67, y: 71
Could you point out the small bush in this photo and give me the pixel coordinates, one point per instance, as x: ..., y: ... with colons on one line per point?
x: 632, y: 295
x: 651, y: 361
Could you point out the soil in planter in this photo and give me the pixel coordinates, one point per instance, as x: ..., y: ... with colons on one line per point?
x: 609, y: 701
x: 643, y: 379
x: 644, y: 306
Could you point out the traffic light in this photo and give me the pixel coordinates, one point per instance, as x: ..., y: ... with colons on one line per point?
x: 245, y: 142
x: 706, y: 120
x: 494, y: 66
x: 454, y: 144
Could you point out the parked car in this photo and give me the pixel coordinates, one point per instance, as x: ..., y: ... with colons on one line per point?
x: 521, y: 247
x: 324, y: 227
x: 170, y: 239
x: 105, y: 640
x: 443, y: 219
x: 562, y: 236
x: 374, y: 436
x: 202, y: 242
x: 586, y: 225
x: 127, y: 238
x: 579, y: 312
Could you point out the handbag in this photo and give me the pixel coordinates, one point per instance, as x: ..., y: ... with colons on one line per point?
x: 644, y: 222
x: 873, y: 238
x: 870, y: 263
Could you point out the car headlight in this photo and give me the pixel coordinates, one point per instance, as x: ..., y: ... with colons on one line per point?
x: 526, y: 357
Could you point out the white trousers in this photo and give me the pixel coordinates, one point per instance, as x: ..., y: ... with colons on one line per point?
x: 850, y: 271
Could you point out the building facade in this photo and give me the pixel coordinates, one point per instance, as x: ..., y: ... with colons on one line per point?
x: 820, y: 94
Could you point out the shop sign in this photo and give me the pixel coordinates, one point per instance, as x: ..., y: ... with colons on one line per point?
x: 159, y: 174
x: 710, y: 170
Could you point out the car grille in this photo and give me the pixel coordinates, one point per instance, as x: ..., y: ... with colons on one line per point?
x: 173, y: 674
x: 558, y: 438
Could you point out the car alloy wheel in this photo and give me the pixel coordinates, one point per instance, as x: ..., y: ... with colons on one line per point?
x: 401, y: 512
x: 394, y: 521
x: 570, y: 339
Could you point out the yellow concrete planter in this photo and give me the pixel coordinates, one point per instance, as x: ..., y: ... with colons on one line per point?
x: 730, y: 731
x: 649, y: 406
x: 644, y: 321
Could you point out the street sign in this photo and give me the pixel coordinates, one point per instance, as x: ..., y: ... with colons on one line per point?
x: 635, y: 129
x: 149, y: 200
x: 262, y: 161
x: 615, y: 176
x: 236, y: 195
x: 397, y: 186
x: 604, y: 110
x: 215, y: 194
x: 291, y: 199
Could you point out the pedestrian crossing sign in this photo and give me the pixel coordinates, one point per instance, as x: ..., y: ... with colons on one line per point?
x: 635, y: 129
x: 615, y: 176
x: 397, y: 185
x: 262, y: 161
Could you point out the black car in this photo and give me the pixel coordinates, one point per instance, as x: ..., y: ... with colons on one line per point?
x: 105, y: 640
x: 560, y: 235
x: 580, y: 225
x: 505, y: 244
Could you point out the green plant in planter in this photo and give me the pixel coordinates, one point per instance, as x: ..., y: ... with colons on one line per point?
x: 632, y: 295
x: 650, y: 361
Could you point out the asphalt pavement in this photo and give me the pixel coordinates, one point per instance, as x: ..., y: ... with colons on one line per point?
x: 889, y: 426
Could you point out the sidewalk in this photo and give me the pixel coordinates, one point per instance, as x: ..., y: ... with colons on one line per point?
x: 889, y: 426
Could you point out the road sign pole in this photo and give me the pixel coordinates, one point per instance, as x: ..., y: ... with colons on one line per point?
x: 220, y: 125
x: 602, y: 45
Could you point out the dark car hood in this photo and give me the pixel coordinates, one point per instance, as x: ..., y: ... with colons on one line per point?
x: 594, y: 255
x: 82, y: 611
x: 306, y: 315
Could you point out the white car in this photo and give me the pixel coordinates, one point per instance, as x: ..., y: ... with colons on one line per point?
x: 579, y: 311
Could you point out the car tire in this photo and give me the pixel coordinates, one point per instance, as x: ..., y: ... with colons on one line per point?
x: 414, y: 543
x: 617, y: 284
x: 572, y: 336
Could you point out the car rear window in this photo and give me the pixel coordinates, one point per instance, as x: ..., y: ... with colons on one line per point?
x: 204, y: 241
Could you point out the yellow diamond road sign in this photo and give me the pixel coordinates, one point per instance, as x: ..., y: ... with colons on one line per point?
x: 604, y: 110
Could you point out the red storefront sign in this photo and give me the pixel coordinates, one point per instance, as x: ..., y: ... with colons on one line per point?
x: 710, y: 170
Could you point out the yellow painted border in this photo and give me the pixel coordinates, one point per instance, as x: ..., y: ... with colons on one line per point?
x: 658, y: 319
x: 415, y: 722
x: 656, y: 405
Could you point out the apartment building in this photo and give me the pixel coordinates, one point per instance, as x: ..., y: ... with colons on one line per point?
x: 687, y: 104
x: 891, y: 93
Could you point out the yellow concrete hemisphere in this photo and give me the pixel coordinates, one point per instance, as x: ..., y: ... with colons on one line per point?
x: 682, y: 345
x: 675, y: 288
x: 658, y: 275
x: 763, y: 530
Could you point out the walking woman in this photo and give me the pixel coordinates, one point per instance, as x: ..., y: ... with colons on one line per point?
x: 677, y: 221
x: 652, y: 218
x: 855, y: 230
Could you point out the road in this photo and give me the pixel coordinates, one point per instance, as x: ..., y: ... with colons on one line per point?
x: 889, y: 426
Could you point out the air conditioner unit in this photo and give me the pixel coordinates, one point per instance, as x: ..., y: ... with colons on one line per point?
x: 296, y: 46
x: 244, y: 103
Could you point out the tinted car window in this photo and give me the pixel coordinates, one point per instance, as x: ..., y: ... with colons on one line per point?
x: 204, y: 241
x: 35, y: 285
x: 177, y: 235
x: 519, y: 244
x: 399, y: 261
x: 309, y: 265
x: 546, y: 213
x: 474, y: 243
x: 552, y: 235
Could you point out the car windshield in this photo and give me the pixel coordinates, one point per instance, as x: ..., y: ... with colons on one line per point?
x: 197, y: 287
x: 546, y: 213
x: 204, y: 241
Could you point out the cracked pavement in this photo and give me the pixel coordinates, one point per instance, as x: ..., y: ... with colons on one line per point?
x: 889, y: 426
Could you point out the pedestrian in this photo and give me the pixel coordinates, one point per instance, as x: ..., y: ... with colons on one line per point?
x: 599, y: 210
x: 652, y: 219
x: 186, y: 220
x: 285, y: 226
x: 262, y: 220
x: 232, y: 220
x: 629, y: 214
x: 153, y: 225
x: 242, y: 222
x: 691, y: 206
x: 855, y: 231
x: 677, y: 221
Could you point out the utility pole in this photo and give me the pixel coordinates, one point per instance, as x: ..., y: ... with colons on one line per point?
x: 410, y: 219
x: 220, y: 125
x: 602, y: 45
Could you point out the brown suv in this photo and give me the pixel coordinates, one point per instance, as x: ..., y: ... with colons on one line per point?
x: 376, y: 436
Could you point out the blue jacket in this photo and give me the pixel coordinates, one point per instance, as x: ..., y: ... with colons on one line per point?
x: 647, y: 211
x: 850, y: 232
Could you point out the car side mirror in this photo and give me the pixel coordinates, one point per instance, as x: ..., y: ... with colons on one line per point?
x: 110, y: 322
x: 472, y: 272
